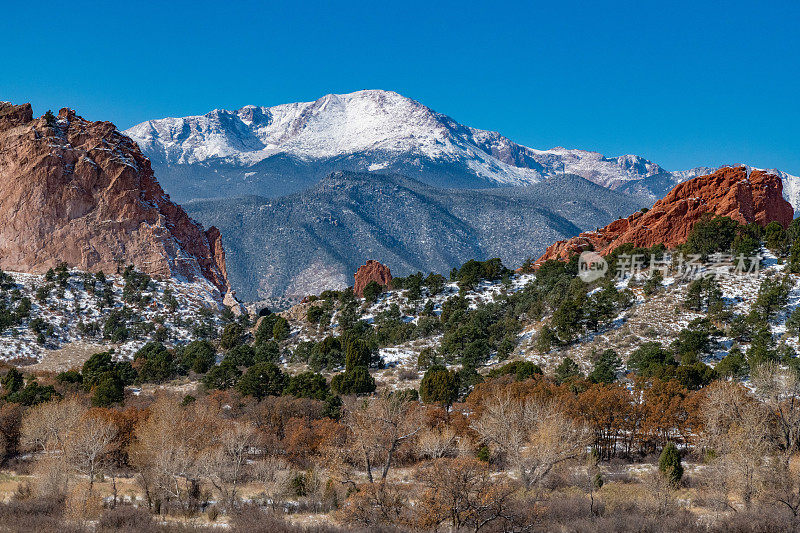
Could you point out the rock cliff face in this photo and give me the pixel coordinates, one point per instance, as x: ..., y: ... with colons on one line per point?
x: 82, y: 192
x: 732, y: 192
x: 372, y: 271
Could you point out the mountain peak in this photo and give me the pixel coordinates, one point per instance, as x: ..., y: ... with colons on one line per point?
x: 281, y: 149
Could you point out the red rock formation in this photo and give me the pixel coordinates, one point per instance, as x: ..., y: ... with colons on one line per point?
x: 83, y: 193
x: 728, y: 192
x: 372, y: 271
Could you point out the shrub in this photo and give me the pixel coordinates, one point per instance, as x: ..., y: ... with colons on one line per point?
x: 439, y: 385
x: 223, y: 376
x: 109, y: 389
x: 606, y: 367
x: 669, y: 464
x: 521, y: 370
x: 156, y: 363
x: 199, y: 356
x: 356, y: 380
x: 567, y: 370
x: 232, y: 336
x: 372, y: 290
x: 262, y: 379
x: 280, y: 330
x: 308, y: 385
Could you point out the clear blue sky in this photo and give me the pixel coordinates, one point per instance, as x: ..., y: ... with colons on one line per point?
x: 683, y: 84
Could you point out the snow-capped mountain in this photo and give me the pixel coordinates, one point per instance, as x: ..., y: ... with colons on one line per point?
x: 367, y: 130
x: 272, y: 151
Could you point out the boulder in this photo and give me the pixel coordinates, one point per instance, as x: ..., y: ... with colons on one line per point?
x: 371, y: 271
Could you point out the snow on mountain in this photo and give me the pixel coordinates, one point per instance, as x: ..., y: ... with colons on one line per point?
x: 383, y: 124
x: 271, y: 151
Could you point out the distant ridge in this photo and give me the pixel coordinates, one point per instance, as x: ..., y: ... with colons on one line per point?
x: 310, y: 241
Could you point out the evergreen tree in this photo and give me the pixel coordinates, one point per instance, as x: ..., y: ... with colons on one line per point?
x: 12, y: 381
x: 669, y: 464
x: 606, y: 367
x: 354, y: 381
x: 439, y: 385
x: 280, y: 330
x: 108, y: 390
x: 261, y: 380
x: 223, y: 376
x: 50, y: 119
x: 733, y: 365
x: 199, y: 356
x: 156, y: 363
x: 567, y: 370
x: 97, y: 365
x: 232, y: 336
x: 372, y: 290
x: 308, y: 385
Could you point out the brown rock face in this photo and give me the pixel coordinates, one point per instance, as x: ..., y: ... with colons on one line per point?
x: 83, y: 193
x: 728, y: 192
x: 372, y: 271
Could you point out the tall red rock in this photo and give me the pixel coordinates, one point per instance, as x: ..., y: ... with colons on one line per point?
x: 372, y: 271
x: 83, y: 193
x: 730, y: 191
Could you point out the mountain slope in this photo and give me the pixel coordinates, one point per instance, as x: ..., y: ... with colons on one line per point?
x: 303, y: 243
x: 274, y: 150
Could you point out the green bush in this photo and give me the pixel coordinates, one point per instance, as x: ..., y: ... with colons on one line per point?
x: 439, y: 385
x: 261, y: 380
x: 353, y: 381
x: 199, y: 356
x: 606, y: 367
x: 567, y: 370
x: 372, y: 290
x: 308, y: 385
x: 521, y: 370
x: 223, y: 376
x: 108, y: 390
x: 156, y: 363
x: 669, y: 464
x: 232, y: 336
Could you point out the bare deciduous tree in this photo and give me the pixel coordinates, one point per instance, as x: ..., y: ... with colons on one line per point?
x: 462, y: 492
x: 437, y: 442
x: 167, y: 449
x: 779, y: 389
x: 224, y: 461
x: 378, y: 426
x: 533, y: 437
x: 737, y: 435
x: 86, y: 446
x: 46, y: 426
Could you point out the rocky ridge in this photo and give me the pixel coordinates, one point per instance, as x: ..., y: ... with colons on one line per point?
x: 745, y: 195
x: 83, y: 193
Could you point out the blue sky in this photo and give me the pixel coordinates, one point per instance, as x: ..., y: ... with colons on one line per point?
x: 681, y: 83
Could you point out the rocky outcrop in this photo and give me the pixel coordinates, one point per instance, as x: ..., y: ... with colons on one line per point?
x: 83, y: 193
x: 731, y: 191
x: 372, y: 271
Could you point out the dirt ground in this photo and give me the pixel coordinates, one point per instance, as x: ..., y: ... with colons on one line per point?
x: 72, y: 355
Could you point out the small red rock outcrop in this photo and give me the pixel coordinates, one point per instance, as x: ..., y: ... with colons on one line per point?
x: 82, y: 192
x: 730, y: 191
x: 372, y: 271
